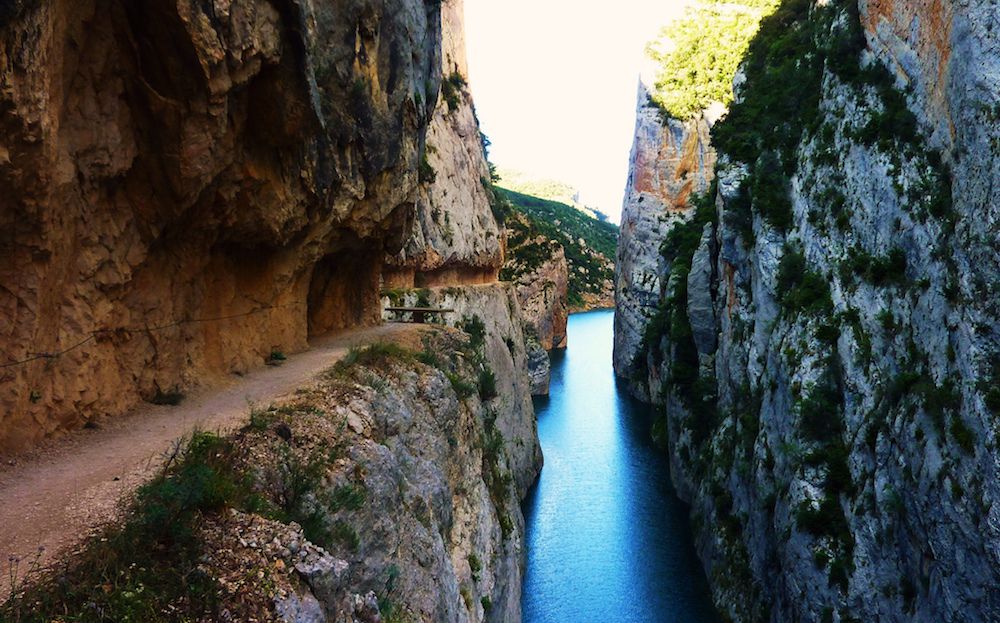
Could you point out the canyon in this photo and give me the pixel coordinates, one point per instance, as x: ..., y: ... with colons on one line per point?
x: 818, y: 324
x: 206, y: 201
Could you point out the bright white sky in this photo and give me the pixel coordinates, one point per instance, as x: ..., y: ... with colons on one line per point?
x: 555, y: 86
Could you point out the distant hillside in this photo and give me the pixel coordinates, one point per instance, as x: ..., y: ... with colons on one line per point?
x: 589, y: 245
x: 552, y: 190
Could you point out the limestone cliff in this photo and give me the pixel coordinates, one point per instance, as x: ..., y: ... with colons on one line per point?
x: 669, y: 162
x: 829, y: 330
x: 455, y: 236
x: 191, y: 186
x: 543, y: 297
x: 494, y: 311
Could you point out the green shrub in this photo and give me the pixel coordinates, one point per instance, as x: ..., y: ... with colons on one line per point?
x: 962, y: 434
x: 801, y: 290
x: 148, y: 564
x: 475, y: 566
x: 879, y: 271
x: 783, y: 67
x: 350, y: 497
x: 993, y: 400
x: 476, y: 328
x: 345, y: 534
x: 770, y: 192
x: 462, y: 387
x: 451, y: 90
x: 819, y: 412
x: 426, y: 172
x: 487, y: 384
x: 825, y: 520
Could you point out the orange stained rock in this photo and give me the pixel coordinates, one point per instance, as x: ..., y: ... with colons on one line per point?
x: 925, y: 26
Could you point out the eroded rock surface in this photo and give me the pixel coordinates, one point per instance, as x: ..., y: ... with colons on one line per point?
x: 494, y: 310
x: 189, y: 187
x: 455, y: 237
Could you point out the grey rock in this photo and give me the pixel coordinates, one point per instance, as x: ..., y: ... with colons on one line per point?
x: 667, y: 164
x: 921, y: 514
x: 539, y: 368
x: 296, y: 608
x: 701, y: 306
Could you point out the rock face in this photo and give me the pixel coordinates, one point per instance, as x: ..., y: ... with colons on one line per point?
x: 543, y: 297
x: 190, y: 186
x: 455, y: 236
x: 542, y: 294
x: 425, y: 482
x: 833, y: 367
x: 668, y: 164
x: 538, y: 268
x: 494, y: 310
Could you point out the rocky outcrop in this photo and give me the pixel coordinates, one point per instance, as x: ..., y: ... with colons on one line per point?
x: 493, y: 311
x: 455, y: 236
x: 669, y: 162
x: 542, y: 294
x: 386, y: 489
x: 836, y: 431
x: 537, y: 267
x: 439, y: 533
x: 191, y: 186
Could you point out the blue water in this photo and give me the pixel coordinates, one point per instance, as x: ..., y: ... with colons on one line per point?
x: 607, y: 538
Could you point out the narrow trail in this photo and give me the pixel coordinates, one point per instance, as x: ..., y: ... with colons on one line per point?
x: 58, y: 496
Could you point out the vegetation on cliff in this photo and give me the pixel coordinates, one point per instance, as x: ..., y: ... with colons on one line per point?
x: 549, y: 189
x: 825, y: 149
x: 542, y: 225
x: 699, y: 54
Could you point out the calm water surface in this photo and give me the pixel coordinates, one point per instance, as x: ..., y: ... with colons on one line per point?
x: 607, y: 538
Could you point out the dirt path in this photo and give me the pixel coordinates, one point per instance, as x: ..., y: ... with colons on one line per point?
x: 62, y: 494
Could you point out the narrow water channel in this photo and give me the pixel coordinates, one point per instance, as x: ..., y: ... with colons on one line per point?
x: 608, y: 540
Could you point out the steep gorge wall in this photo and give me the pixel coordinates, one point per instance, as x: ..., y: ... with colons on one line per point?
x: 188, y: 187
x: 455, y: 236
x: 440, y: 531
x: 668, y: 163
x: 538, y: 268
x: 831, y: 413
